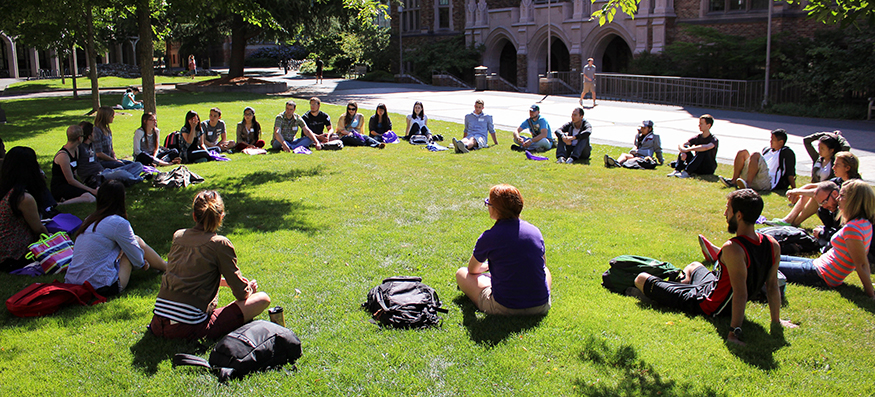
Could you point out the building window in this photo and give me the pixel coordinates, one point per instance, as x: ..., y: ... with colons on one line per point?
x: 410, y: 16
x: 443, y: 13
x: 737, y: 5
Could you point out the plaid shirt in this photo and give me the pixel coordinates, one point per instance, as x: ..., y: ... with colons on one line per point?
x: 289, y: 127
x: 102, y: 143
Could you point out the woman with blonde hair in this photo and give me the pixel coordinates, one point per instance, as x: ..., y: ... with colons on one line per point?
x: 507, y: 273
x: 850, y: 246
x: 201, y: 261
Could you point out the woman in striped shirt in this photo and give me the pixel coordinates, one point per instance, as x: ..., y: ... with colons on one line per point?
x: 849, y: 246
x: 200, y: 261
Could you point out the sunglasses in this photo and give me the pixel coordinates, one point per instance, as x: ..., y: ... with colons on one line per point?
x: 486, y: 202
x: 351, y: 109
x: 249, y: 114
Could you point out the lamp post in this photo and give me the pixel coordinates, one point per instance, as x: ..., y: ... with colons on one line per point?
x: 768, y: 55
x: 400, y: 48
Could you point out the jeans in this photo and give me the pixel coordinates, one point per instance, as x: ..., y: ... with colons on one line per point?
x: 165, y: 156
x: 302, y: 141
x: 351, y: 140
x: 540, y: 146
x: 114, y: 163
x: 800, y: 271
x: 581, y: 151
x: 128, y: 174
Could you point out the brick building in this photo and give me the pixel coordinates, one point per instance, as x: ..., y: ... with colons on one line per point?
x: 515, y: 32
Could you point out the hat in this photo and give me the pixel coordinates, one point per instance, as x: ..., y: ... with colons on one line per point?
x: 647, y: 123
x: 249, y: 109
x: 535, y: 108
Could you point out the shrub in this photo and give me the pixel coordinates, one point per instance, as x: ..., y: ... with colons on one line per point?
x: 379, y: 75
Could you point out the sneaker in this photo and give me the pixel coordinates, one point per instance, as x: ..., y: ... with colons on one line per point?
x: 610, y: 162
x: 683, y: 174
x: 516, y: 148
x: 777, y: 222
x: 456, y: 145
x: 708, y: 251
x: 381, y: 145
x: 726, y: 182
x: 673, y: 173
x: 560, y: 160
x: 569, y: 160
x: 460, y: 147
x: 580, y: 102
x: 740, y: 183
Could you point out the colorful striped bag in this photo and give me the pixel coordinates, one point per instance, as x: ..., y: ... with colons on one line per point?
x: 54, y: 253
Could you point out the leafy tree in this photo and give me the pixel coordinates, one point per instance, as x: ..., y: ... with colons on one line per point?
x: 436, y: 56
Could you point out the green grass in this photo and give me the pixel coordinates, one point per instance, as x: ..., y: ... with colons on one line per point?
x: 319, y: 231
x: 105, y: 82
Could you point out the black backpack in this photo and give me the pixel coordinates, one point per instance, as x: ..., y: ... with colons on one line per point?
x: 793, y: 240
x: 404, y: 302
x: 256, y: 346
x: 625, y: 268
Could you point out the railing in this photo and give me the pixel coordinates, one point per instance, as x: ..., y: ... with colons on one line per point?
x: 715, y: 93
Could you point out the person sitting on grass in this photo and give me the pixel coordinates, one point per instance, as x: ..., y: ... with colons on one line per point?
x: 107, y: 250
x: 286, y: 127
x: 200, y: 261
x: 191, y: 146
x: 699, y: 154
x: 646, y: 144
x: 538, y: 128
x: 844, y: 168
x: 477, y: 125
x: 572, y: 139
x: 349, y: 127
x: 101, y: 139
x: 90, y: 169
x: 417, y: 123
x: 850, y: 246
x: 775, y: 167
x: 147, y: 150
x: 507, y: 273
x: 828, y: 145
x: 22, y: 188
x: 215, y: 135
x: 249, y: 131
x: 744, y: 264
x: 129, y: 102
x: 380, y: 123
x: 66, y: 189
x: 319, y: 123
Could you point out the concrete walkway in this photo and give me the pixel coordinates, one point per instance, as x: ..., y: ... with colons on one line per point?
x: 614, y: 123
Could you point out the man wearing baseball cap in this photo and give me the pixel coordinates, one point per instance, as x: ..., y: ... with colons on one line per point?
x: 646, y: 144
x: 538, y: 128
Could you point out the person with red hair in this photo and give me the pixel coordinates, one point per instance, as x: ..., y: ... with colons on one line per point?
x: 507, y: 273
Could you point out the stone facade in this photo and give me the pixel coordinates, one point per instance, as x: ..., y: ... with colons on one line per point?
x: 526, y: 24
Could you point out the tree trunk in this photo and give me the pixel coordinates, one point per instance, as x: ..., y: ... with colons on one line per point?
x: 146, y: 49
x: 92, y: 59
x: 73, y: 70
x: 238, y: 46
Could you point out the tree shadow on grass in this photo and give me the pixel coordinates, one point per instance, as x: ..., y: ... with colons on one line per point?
x: 760, y: 344
x: 636, y: 377
x: 492, y: 330
x: 151, y: 350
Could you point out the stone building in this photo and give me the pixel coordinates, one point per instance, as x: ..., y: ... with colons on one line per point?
x: 515, y: 32
x: 17, y: 60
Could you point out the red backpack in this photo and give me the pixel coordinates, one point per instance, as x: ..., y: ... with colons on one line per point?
x: 40, y: 299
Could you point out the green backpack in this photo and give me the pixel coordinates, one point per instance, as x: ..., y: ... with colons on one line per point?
x: 625, y: 268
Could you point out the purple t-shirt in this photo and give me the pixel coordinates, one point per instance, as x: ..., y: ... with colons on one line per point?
x: 515, y: 250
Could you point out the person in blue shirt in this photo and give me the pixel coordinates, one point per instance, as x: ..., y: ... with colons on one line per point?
x: 477, y: 125
x: 538, y: 128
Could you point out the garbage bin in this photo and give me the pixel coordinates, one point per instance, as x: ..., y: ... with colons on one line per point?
x: 480, y: 78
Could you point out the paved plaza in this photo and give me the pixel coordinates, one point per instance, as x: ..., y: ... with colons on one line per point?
x: 614, y: 122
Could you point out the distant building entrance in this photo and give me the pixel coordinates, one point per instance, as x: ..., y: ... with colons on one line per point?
x: 616, y: 57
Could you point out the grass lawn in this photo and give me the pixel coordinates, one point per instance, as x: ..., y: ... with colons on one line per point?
x: 84, y: 83
x: 319, y: 231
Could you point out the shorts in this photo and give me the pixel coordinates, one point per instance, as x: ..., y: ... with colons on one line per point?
x: 221, y: 322
x: 66, y: 191
x: 482, y: 143
x: 488, y: 305
x: 110, y: 290
x: 762, y: 182
x: 588, y: 86
x: 681, y: 296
